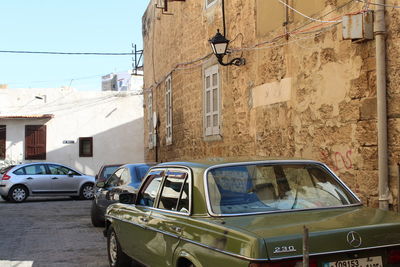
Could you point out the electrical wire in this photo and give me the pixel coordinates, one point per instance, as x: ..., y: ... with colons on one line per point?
x: 66, y: 53
x: 376, y: 4
x: 304, y: 15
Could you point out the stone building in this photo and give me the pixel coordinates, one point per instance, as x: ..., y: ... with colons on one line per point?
x: 304, y: 91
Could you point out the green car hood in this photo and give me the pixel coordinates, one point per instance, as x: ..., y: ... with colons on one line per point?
x: 328, y: 229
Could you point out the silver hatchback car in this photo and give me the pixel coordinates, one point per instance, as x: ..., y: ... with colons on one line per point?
x: 44, y: 179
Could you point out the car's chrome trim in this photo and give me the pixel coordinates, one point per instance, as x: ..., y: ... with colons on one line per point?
x: 165, y: 169
x: 126, y: 221
x: 337, y: 251
x: 244, y: 257
x: 208, y: 201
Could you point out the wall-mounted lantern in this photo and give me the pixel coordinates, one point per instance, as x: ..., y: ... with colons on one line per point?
x: 219, y: 45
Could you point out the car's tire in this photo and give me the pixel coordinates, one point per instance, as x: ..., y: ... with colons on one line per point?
x: 116, y: 257
x: 96, y: 217
x: 18, y: 193
x: 86, y: 192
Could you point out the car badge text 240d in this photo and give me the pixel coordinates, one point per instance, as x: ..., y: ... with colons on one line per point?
x: 354, y: 239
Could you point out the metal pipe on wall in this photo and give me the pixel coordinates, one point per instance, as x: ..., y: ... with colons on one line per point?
x: 380, y: 35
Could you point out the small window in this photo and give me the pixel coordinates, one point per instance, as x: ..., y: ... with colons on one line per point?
x: 168, y: 110
x: 209, y: 3
x: 150, y: 120
x: 211, y: 101
x: 149, y: 192
x: 175, y: 193
x: 86, y: 147
x: 2, y: 141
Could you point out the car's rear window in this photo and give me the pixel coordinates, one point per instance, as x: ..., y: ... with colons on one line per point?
x: 6, y: 169
x: 256, y: 188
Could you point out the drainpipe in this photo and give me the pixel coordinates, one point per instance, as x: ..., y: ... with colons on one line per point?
x: 380, y: 34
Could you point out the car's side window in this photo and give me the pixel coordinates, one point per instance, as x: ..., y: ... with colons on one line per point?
x: 175, y: 192
x: 36, y: 169
x: 60, y: 170
x: 114, y: 178
x: 148, y: 193
x: 125, y: 177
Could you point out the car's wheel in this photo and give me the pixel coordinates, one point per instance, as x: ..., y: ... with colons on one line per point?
x: 87, y: 192
x: 116, y: 257
x: 96, y: 217
x: 18, y: 193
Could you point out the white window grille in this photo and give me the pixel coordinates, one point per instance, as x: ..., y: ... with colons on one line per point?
x: 168, y: 109
x: 209, y: 3
x: 211, y: 101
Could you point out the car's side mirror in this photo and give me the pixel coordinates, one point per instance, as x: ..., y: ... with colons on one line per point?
x: 70, y: 174
x: 127, y: 198
x: 100, y: 184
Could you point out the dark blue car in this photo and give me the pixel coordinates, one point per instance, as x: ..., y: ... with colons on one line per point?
x: 125, y: 179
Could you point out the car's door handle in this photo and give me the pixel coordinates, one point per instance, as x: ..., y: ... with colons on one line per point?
x: 144, y: 219
x: 176, y: 228
x: 54, y: 178
x: 29, y: 178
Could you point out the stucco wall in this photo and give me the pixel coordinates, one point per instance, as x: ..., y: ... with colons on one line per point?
x: 114, y: 120
x: 309, y: 94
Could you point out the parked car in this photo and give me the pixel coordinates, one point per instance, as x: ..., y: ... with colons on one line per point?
x: 248, y: 213
x: 125, y: 179
x: 44, y: 179
x: 105, y: 172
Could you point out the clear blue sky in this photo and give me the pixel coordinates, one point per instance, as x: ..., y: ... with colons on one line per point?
x: 67, y: 26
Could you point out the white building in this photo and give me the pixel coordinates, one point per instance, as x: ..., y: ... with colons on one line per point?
x: 81, y: 129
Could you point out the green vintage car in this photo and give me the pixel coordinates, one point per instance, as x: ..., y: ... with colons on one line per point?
x: 248, y: 213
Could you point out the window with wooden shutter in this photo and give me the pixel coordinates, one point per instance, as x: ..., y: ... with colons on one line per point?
x: 2, y: 141
x: 211, y: 103
x: 85, y: 146
x: 168, y: 109
x: 35, y: 142
x: 150, y: 119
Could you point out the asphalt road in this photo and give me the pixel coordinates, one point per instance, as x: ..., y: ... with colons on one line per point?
x: 50, y: 232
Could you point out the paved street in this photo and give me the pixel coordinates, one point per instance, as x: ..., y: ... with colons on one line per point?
x: 50, y: 232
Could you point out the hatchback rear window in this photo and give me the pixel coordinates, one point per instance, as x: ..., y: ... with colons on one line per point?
x: 6, y: 169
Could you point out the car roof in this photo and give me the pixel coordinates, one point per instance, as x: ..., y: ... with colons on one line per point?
x: 210, y: 162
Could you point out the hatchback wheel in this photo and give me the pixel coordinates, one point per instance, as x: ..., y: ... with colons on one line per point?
x: 87, y: 192
x: 116, y: 257
x: 18, y: 193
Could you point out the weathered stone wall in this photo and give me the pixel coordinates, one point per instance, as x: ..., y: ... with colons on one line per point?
x: 310, y: 95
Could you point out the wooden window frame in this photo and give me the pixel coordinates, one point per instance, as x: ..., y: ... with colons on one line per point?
x: 82, y: 140
x: 3, y: 138
x: 212, y: 110
x: 168, y: 110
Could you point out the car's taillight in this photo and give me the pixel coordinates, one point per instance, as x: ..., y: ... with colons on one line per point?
x: 6, y: 177
x: 288, y: 263
x: 394, y: 256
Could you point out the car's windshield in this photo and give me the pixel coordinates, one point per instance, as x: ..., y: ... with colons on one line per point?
x: 271, y: 187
